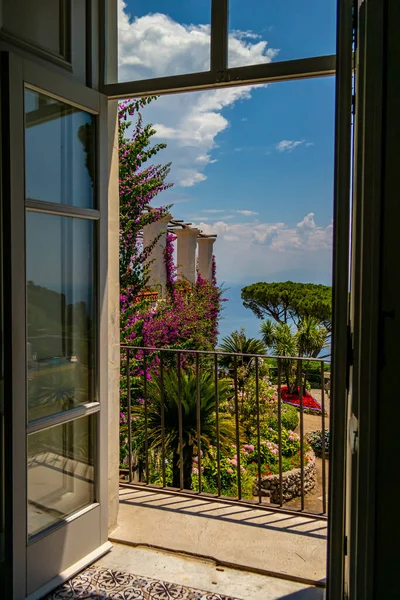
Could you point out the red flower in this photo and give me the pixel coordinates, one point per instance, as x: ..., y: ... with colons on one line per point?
x: 308, y: 400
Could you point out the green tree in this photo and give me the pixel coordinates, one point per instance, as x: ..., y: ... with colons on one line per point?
x: 187, y: 390
x: 290, y: 302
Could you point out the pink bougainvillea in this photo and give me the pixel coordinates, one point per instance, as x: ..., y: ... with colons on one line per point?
x: 139, y: 184
x: 169, y: 261
x: 188, y: 318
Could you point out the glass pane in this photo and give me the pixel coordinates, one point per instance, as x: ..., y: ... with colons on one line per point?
x: 60, y: 152
x: 60, y: 472
x: 280, y: 30
x: 60, y: 285
x: 159, y: 38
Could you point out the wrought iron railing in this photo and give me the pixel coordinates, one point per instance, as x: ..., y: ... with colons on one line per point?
x: 185, y: 412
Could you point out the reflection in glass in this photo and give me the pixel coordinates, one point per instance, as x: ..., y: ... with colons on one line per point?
x: 60, y: 472
x: 59, y: 152
x: 60, y: 283
x: 280, y: 30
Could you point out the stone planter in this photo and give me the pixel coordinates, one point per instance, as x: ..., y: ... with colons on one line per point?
x: 291, y: 482
x: 123, y: 474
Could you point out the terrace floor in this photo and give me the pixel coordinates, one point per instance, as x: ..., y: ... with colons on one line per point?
x: 263, y: 541
x: 155, y: 567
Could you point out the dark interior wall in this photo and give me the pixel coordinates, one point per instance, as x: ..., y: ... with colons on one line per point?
x: 387, y: 517
x: 61, y: 34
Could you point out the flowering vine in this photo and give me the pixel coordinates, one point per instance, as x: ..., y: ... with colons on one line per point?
x: 186, y: 318
x: 170, y: 267
x: 139, y: 183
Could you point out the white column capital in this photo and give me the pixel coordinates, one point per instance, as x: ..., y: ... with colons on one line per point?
x: 187, y: 231
x: 206, y: 241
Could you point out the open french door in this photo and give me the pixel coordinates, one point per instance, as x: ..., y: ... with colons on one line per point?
x: 355, y: 471
x: 56, y: 358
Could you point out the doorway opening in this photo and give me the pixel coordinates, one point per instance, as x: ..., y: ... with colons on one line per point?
x: 225, y: 356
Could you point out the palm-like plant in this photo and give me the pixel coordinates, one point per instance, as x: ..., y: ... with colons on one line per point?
x: 283, y: 343
x: 239, y: 347
x: 187, y: 386
x: 307, y: 341
x: 310, y: 337
x: 238, y: 342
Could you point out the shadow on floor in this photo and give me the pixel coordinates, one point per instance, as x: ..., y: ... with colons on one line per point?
x: 239, y: 515
x: 311, y: 593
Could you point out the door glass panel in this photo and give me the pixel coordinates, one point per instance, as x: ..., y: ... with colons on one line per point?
x: 60, y: 472
x: 59, y: 151
x: 158, y: 38
x: 60, y: 320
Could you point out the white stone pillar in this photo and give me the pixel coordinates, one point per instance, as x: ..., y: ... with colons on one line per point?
x: 156, y: 259
x: 186, y: 253
x: 205, y: 254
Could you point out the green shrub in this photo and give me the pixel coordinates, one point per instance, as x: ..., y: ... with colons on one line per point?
x: 314, y: 438
x: 290, y: 418
x: 228, y: 473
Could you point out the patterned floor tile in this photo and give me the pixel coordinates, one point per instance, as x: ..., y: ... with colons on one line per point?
x: 97, y: 583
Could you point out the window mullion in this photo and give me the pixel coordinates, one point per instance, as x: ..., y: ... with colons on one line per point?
x: 63, y: 210
x: 63, y: 417
x: 219, y: 35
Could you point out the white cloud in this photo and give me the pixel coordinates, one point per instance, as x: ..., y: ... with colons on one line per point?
x: 306, y: 235
x: 200, y: 218
x: 242, y: 35
x: 190, y: 177
x: 256, y: 249
x: 247, y: 213
x: 154, y: 46
x: 288, y: 145
x: 213, y: 210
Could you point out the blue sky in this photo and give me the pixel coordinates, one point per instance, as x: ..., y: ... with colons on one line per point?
x: 254, y: 165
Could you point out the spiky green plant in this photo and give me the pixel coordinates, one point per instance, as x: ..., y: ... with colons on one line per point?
x: 240, y: 348
x: 186, y: 389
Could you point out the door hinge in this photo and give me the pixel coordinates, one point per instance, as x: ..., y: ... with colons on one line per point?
x: 353, y: 104
x: 353, y: 434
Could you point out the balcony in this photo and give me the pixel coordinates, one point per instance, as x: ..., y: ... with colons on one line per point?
x: 225, y: 457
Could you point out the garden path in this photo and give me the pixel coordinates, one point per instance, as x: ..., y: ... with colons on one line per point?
x: 312, y: 422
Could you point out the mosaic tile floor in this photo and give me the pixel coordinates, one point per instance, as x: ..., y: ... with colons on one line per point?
x: 105, y: 584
